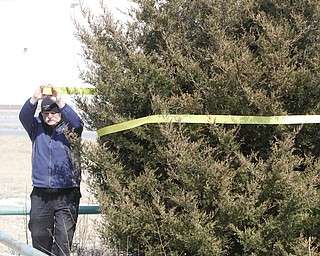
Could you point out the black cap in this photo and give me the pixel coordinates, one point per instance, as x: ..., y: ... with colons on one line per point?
x: 48, y: 105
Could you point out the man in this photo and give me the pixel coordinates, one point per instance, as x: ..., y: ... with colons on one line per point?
x: 55, y: 171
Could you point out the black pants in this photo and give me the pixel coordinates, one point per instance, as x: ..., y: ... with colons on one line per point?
x: 53, y: 218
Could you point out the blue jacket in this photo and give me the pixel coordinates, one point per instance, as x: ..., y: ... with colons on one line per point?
x: 54, y: 165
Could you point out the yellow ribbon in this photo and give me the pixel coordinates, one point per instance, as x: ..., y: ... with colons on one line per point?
x: 77, y: 90
x: 195, y: 119
x: 209, y: 119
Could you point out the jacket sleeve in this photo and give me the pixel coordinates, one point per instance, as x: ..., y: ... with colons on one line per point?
x: 72, y: 119
x: 27, y: 118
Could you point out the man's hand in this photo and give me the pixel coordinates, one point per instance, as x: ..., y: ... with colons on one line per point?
x: 37, y: 95
x: 56, y: 96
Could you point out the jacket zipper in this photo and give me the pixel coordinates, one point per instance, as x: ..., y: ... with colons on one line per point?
x: 50, y: 162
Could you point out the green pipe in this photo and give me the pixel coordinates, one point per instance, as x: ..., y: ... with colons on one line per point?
x: 24, y: 210
x: 18, y: 246
x: 25, y: 249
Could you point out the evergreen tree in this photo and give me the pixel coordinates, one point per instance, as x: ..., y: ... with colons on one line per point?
x: 200, y: 189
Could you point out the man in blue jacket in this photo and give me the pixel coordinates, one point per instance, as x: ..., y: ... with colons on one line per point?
x: 56, y: 172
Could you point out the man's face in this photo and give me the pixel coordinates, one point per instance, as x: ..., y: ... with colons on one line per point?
x: 51, y: 118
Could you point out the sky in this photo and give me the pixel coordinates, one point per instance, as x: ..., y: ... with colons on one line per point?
x: 37, y: 45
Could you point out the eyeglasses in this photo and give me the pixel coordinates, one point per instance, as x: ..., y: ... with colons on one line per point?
x: 50, y: 113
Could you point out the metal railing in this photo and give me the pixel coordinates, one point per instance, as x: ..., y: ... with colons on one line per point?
x: 19, y: 246
x: 25, y: 249
x: 24, y: 210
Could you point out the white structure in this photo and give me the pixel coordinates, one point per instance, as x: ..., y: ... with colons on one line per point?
x: 38, y: 46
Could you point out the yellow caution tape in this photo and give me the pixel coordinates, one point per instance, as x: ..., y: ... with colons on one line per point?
x: 209, y: 119
x: 77, y: 90
x: 195, y: 119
